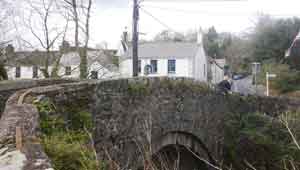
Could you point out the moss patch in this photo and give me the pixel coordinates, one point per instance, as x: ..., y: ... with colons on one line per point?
x: 67, y: 139
x: 180, y: 86
x: 138, y: 89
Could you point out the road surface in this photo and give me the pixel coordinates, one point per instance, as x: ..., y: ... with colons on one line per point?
x: 244, y: 86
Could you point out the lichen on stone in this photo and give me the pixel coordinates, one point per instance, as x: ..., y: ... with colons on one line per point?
x: 14, y: 160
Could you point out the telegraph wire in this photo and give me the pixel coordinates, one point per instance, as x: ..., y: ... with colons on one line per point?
x: 157, y: 20
x: 177, y: 10
x: 141, y: 1
x: 190, y: 12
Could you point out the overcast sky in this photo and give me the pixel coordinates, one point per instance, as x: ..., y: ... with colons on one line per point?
x: 110, y: 17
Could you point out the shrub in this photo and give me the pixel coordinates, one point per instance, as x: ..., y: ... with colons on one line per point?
x: 287, y: 80
x: 66, y: 140
x: 261, y: 140
x: 81, y: 120
x: 69, y: 152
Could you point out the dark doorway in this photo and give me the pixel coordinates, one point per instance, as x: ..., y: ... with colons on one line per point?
x: 176, y: 157
x: 94, y: 75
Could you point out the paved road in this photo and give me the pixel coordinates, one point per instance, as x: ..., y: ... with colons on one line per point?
x: 244, y: 86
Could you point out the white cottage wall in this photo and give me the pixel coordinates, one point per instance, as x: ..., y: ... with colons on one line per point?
x: 183, y: 67
x: 200, y: 65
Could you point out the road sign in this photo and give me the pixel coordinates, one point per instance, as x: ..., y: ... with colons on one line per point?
x: 272, y: 75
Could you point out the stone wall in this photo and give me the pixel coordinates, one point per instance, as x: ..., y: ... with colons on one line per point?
x: 134, y: 115
x: 7, y: 88
x: 20, y: 114
x: 131, y: 116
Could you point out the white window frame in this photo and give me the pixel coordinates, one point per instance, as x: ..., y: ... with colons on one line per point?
x: 169, y: 62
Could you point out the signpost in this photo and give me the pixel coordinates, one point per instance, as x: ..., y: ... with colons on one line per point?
x: 268, y: 76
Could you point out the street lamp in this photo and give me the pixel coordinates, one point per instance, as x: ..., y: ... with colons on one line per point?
x: 268, y: 76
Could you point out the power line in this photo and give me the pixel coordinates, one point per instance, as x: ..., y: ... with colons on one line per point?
x: 210, y: 13
x: 176, y: 10
x: 141, y: 1
x: 157, y: 20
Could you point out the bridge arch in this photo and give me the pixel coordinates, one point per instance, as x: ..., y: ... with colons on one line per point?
x: 181, y: 149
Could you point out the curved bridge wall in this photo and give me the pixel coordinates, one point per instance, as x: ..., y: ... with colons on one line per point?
x: 134, y: 116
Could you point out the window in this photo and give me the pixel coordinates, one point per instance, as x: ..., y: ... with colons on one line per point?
x: 171, y: 66
x: 35, y: 71
x: 140, y: 66
x: 68, y: 70
x: 94, y: 75
x: 18, y: 72
x: 154, y: 66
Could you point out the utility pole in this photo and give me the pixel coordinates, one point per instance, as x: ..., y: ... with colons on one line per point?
x: 135, y: 38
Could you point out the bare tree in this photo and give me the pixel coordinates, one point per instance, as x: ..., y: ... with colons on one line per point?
x: 289, y: 121
x: 62, y: 51
x: 3, y: 59
x: 42, y: 29
x: 5, y: 12
x: 81, y: 14
x: 83, y: 56
x: 3, y: 73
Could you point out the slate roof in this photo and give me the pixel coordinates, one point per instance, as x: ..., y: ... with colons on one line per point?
x: 31, y: 58
x: 37, y: 58
x: 165, y: 50
x: 104, y: 57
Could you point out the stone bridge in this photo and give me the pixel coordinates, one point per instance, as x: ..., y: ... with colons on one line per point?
x: 137, y: 120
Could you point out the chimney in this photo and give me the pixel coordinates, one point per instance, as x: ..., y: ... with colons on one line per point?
x: 125, y: 40
x: 65, y: 46
x: 200, y: 36
x: 9, y: 50
x: 125, y: 35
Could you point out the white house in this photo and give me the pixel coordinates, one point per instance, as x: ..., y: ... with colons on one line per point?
x: 27, y: 65
x: 98, y: 66
x: 217, y: 70
x: 178, y: 59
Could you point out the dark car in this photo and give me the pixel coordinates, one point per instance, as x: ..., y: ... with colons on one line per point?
x: 239, y: 76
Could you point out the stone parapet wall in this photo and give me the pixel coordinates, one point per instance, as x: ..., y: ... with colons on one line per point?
x: 20, y: 147
x: 122, y: 109
x: 21, y: 144
x: 130, y: 114
x: 7, y: 88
